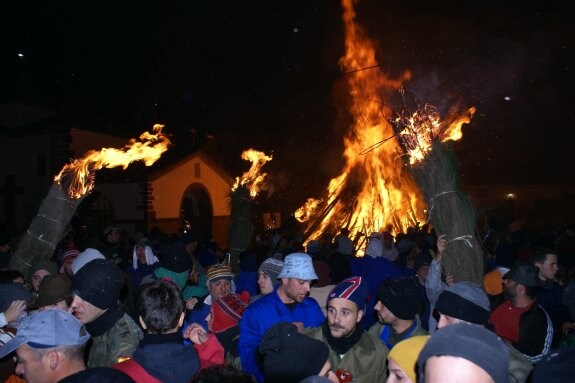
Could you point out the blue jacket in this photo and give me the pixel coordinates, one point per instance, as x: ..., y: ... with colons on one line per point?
x: 264, y: 313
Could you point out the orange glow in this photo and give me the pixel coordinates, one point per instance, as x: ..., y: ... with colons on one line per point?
x: 252, y: 179
x: 77, y: 177
x: 374, y: 191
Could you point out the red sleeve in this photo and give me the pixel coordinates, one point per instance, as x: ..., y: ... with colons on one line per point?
x: 211, y: 352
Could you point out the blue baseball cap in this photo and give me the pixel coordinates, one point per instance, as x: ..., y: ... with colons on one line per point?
x: 47, y: 329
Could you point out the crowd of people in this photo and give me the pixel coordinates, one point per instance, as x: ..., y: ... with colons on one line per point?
x: 155, y: 308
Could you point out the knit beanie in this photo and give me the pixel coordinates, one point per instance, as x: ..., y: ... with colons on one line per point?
x: 84, y: 257
x: 10, y: 292
x: 354, y: 289
x: 465, y: 301
x: 272, y: 268
x: 400, y: 296
x: 422, y: 259
x: 99, y: 282
x: 219, y: 271
x: 471, y: 342
x: 289, y: 356
x: 49, y: 266
x: 405, y: 354
x: 228, y: 310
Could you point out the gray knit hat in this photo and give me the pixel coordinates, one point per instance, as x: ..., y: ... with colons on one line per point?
x: 466, y: 301
x: 271, y: 267
x: 471, y: 342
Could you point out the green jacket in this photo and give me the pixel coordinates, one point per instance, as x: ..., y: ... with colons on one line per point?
x: 519, y: 366
x: 366, y: 360
x: 378, y: 328
x: 119, y: 341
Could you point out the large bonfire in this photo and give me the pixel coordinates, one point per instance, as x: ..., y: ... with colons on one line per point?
x: 374, y: 190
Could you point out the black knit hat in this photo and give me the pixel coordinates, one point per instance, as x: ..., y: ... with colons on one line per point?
x: 471, y: 342
x: 99, y: 282
x: 289, y: 356
x: 466, y: 301
x: 400, y: 296
x: 175, y: 258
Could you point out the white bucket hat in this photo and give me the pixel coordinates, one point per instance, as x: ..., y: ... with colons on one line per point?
x: 298, y: 265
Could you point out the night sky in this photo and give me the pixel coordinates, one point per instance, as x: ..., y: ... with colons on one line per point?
x: 263, y: 74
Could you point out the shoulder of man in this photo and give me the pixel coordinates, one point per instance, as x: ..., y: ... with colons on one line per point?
x: 135, y: 371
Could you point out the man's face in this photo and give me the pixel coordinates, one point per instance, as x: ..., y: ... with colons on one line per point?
x: 141, y: 254
x: 84, y: 310
x: 422, y: 273
x: 296, y: 289
x: 37, y: 278
x: 113, y: 237
x: 383, y: 313
x: 31, y: 364
x: 510, y: 289
x: 219, y: 289
x: 68, y: 266
x: 342, y: 317
x: 446, y: 320
x: 451, y: 369
x: 191, y: 247
x: 265, y: 283
x: 548, y: 269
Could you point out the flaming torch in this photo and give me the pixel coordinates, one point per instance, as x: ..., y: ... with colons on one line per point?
x: 374, y: 191
x: 422, y: 136
x: 74, y: 182
x: 243, y: 191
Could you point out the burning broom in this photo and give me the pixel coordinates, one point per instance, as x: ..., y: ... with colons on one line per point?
x: 74, y: 182
x: 422, y: 136
x: 243, y: 191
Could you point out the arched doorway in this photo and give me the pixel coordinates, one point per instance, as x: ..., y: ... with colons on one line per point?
x: 196, y: 212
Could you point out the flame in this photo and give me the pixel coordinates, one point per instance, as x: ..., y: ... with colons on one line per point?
x: 252, y: 178
x: 78, y: 176
x: 418, y: 130
x: 305, y: 212
x: 374, y: 191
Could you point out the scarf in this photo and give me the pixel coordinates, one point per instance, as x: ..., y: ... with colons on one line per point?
x: 342, y: 345
x: 105, y: 321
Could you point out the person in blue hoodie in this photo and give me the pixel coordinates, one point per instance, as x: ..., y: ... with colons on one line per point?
x: 161, y: 356
x: 289, y: 302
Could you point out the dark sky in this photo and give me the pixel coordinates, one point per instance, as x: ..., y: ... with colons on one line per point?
x: 262, y: 74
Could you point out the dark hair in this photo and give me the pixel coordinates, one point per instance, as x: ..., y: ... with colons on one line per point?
x: 223, y: 373
x: 160, y: 304
x: 540, y: 255
x: 7, y: 276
